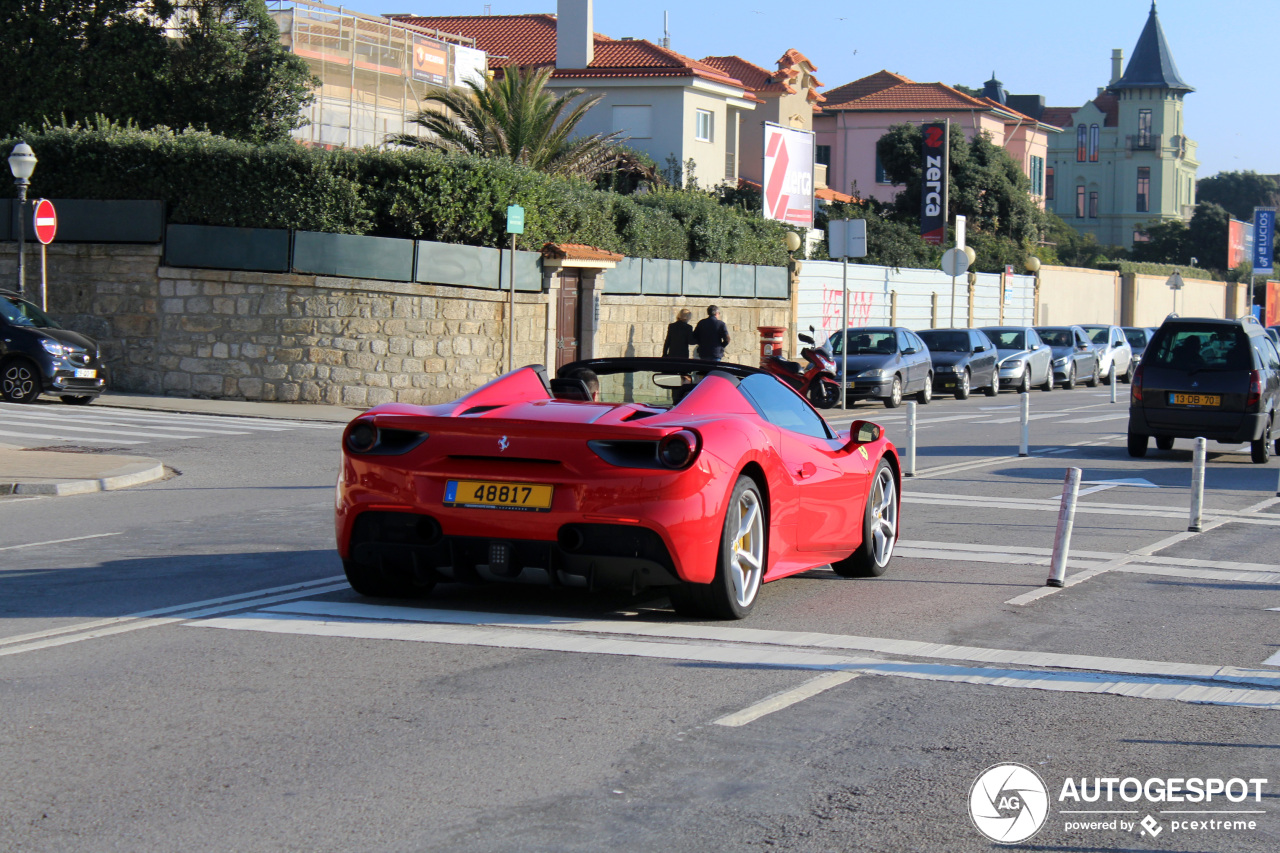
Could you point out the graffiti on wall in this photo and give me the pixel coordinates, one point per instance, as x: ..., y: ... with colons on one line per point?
x: 860, y: 302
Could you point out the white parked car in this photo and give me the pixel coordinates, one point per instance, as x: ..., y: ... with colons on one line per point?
x: 1115, y: 356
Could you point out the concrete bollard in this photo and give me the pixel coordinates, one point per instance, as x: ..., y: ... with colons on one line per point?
x: 1066, y: 522
x: 1197, y: 486
x: 1024, y: 446
x: 909, y: 466
x: 1113, y: 385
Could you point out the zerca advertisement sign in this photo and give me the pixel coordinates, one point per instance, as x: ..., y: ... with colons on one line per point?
x: 933, y: 203
x: 788, y: 175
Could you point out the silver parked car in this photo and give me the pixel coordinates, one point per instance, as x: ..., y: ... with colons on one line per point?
x: 1024, y: 359
x: 1115, y: 356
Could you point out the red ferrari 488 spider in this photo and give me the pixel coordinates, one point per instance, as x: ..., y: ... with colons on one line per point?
x: 705, y: 478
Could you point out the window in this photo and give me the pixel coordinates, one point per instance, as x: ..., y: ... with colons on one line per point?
x: 705, y: 125
x: 1144, y: 128
x: 783, y: 407
x: 1082, y: 136
x: 1080, y: 202
x: 1037, y: 175
x: 822, y: 154
x: 1144, y: 189
x: 634, y: 122
x: 881, y: 177
x: 1048, y: 184
x: 1093, y: 143
x: 1093, y: 205
x: 1140, y: 236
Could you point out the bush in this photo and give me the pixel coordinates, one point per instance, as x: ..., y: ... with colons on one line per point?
x: 1156, y: 269
x: 450, y: 198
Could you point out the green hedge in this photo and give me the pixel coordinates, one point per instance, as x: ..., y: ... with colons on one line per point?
x: 1143, y: 268
x: 210, y: 180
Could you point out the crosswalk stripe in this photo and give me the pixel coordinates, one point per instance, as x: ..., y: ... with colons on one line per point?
x: 134, y: 432
x: 47, y: 436
x: 58, y: 422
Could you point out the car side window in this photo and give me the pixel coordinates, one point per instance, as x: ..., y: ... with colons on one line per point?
x: 1267, y: 350
x: 916, y: 342
x: 782, y: 407
x: 904, y: 342
x: 1032, y: 338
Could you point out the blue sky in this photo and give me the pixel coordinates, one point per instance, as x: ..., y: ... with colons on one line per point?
x: 1061, y: 50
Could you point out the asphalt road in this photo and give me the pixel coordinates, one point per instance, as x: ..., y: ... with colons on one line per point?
x: 182, y: 668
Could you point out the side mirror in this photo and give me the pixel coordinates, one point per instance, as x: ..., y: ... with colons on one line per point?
x: 805, y: 339
x: 1035, y: 347
x: 910, y: 351
x: 980, y: 348
x: 863, y: 432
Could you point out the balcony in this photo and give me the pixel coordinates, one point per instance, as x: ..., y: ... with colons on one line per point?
x: 1143, y: 142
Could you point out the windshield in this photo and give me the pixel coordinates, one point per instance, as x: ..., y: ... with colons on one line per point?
x: 1200, y: 349
x: 1099, y: 335
x: 864, y: 343
x: 1007, y: 338
x: 946, y: 341
x: 1137, y: 338
x: 1057, y: 337
x: 21, y: 313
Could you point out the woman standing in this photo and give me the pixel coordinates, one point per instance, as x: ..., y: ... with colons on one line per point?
x: 679, y: 336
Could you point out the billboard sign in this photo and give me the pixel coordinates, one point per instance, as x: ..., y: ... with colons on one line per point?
x: 469, y: 64
x: 788, y: 175
x: 933, y: 202
x: 1264, y: 236
x: 430, y: 61
x: 1239, y: 243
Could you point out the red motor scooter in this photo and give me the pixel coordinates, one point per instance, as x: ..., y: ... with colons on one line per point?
x: 817, y: 380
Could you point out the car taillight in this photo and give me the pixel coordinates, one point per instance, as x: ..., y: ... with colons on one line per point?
x: 678, y: 449
x: 1255, y: 389
x: 1135, y: 385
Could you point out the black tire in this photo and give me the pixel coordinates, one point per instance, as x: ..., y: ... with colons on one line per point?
x: 925, y: 394
x: 1070, y: 382
x: 19, y: 381
x: 374, y: 582
x: 993, y: 389
x: 1137, y: 445
x: 1092, y: 381
x: 1260, y: 450
x: 1128, y: 373
x: 1024, y: 384
x: 962, y: 385
x: 1048, y: 379
x: 879, y: 528
x: 824, y: 395
x: 743, y: 540
x: 1110, y: 378
x: 78, y: 400
x: 1164, y: 442
x: 894, y: 400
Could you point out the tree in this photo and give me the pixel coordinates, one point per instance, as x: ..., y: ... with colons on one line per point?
x: 1207, y: 236
x: 1167, y: 242
x: 229, y: 73
x: 1239, y: 192
x: 518, y: 117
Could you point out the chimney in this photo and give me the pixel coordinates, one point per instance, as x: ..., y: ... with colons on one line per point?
x: 1117, y: 65
x: 575, y: 34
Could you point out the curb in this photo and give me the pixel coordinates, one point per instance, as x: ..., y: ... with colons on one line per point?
x: 144, y: 473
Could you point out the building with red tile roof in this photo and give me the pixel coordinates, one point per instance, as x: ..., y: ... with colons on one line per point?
x: 668, y: 105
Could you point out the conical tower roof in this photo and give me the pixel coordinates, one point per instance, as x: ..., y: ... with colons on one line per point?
x: 1152, y: 65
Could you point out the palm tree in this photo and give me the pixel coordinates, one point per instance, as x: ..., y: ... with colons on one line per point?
x: 515, y: 116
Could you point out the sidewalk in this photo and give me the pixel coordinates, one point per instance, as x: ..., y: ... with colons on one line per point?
x: 53, y: 473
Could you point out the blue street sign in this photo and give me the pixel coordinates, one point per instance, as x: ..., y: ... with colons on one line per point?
x: 515, y: 219
x: 1264, y: 234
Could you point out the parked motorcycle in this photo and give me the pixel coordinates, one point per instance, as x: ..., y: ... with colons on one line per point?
x: 817, y: 380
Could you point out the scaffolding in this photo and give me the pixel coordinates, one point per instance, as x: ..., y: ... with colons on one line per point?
x: 370, y: 83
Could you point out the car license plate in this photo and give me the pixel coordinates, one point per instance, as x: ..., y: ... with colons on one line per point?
x: 1195, y: 399
x: 485, y: 494
x: 81, y: 373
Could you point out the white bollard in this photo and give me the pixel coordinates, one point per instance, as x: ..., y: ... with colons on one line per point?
x: 1024, y: 447
x: 1197, y: 486
x: 909, y: 469
x: 1113, y: 385
x: 1278, y: 486
x: 1066, y: 522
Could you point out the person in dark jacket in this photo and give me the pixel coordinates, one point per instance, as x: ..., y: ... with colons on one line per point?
x: 711, y: 335
x: 679, y: 336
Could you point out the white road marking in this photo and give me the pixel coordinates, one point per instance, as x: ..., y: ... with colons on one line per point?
x: 744, y: 654
x: 57, y: 423
x: 1051, y: 505
x: 1095, y: 419
x: 59, y: 541
x: 1274, y: 660
x: 786, y: 699
x: 44, y: 436
x: 62, y: 427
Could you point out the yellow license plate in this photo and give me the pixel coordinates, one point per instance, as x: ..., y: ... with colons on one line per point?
x: 486, y: 494
x: 1195, y: 399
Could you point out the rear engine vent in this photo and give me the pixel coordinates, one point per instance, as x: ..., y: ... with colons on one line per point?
x: 477, y: 410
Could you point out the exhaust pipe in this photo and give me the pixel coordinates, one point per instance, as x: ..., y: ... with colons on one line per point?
x: 570, y: 539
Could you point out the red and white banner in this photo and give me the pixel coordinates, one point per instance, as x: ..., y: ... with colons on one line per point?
x: 788, y: 175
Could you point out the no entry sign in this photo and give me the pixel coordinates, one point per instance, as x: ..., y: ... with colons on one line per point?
x: 46, y: 221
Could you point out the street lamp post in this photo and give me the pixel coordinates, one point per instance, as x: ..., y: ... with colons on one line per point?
x: 22, y: 162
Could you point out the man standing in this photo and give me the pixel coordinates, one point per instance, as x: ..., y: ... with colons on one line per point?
x: 711, y: 335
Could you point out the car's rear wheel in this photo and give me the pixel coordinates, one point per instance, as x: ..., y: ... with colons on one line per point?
x: 994, y: 388
x: 926, y: 393
x: 1092, y: 381
x: 962, y: 385
x: 1110, y: 378
x: 1127, y: 377
x: 1260, y: 450
x: 894, y: 400
x: 741, y: 565
x: 824, y: 395
x: 879, y: 528
x: 78, y: 400
x: 1048, y: 379
x: 376, y: 582
x: 1164, y: 442
x: 1137, y: 445
x: 19, y: 381
x: 1070, y: 381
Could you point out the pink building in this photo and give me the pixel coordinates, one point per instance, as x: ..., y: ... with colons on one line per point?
x: 857, y: 114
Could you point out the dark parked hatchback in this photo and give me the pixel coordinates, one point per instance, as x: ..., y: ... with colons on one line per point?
x: 39, y: 356
x: 1219, y: 379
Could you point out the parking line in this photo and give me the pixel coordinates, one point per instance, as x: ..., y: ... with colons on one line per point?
x: 59, y: 541
x: 786, y: 699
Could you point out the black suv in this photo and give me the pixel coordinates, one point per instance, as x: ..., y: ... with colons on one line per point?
x: 37, y: 355
x: 1219, y: 379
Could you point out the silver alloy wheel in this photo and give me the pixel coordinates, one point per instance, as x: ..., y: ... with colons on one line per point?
x: 895, y: 393
x: 18, y: 383
x: 884, y: 514
x: 746, y: 566
x: 962, y: 387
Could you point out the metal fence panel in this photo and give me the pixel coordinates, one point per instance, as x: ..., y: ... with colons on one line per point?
x: 700, y: 278
x: 738, y: 280
x: 467, y: 266
x: 214, y: 247
x: 352, y: 256
x: 625, y: 278
x: 660, y: 277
